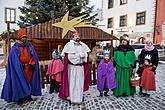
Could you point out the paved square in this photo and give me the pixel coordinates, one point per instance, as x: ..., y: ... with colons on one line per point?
x: 51, y: 101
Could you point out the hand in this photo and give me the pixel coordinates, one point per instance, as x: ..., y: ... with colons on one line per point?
x: 115, y: 69
x: 141, y: 69
x: 32, y: 66
x: 141, y: 65
x: 134, y: 71
x: 82, y: 55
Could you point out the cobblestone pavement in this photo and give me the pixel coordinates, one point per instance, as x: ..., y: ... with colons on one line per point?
x: 91, y: 102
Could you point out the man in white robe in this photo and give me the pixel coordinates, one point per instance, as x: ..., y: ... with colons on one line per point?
x: 77, y: 76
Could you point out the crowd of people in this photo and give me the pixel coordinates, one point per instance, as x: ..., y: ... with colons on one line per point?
x: 69, y: 72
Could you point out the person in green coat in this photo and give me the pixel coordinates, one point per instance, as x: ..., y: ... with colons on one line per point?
x: 125, y: 63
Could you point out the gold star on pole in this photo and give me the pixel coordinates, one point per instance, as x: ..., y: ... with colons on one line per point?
x: 69, y: 25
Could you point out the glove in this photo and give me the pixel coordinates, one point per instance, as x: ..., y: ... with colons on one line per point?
x: 23, y: 66
x: 32, y: 66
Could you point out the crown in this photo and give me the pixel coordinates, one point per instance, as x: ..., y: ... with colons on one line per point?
x: 106, y: 52
x: 148, y: 57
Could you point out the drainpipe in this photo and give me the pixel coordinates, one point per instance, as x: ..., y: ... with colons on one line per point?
x: 156, y: 3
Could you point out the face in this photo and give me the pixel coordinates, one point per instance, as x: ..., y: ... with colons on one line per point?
x: 76, y: 37
x: 124, y: 42
x: 24, y: 40
x: 146, y: 62
x: 149, y: 43
x: 106, y: 57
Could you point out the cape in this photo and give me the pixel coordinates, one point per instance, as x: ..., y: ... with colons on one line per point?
x: 55, y: 69
x: 148, y: 79
x: 64, y: 89
x: 70, y: 48
x: 106, y: 72
x: 16, y: 85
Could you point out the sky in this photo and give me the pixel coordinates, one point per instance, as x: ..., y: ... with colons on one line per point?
x: 96, y: 3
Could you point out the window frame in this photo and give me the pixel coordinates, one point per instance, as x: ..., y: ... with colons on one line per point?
x: 112, y: 22
x: 120, y: 21
x: 109, y: 4
x: 141, y: 18
x: 123, y: 3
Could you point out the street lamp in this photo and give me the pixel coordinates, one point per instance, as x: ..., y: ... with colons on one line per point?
x: 10, y: 17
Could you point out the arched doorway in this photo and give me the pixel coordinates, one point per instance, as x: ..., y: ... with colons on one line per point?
x: 141, y: 40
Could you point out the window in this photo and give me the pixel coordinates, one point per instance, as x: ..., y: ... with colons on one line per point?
x: 123, y: 20
x: 10, y: 14
x: 110, y: 23
x: 122, y: 2
x: 140, y: 18
x: 110, y: 3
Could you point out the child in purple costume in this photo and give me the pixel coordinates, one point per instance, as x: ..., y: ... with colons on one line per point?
x: 105, y: 75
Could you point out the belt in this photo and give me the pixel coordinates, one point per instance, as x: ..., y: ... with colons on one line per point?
x: 25, y: 65
x: 80, y: 64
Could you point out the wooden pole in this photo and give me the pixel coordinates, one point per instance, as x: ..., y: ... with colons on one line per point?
x: 6, y: 46
x: 4, y: 63
x: 8, y: 39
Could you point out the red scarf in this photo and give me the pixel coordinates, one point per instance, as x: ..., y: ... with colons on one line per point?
x: 106, y: 61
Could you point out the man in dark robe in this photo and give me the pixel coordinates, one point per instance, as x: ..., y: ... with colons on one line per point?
x: 22, y: 73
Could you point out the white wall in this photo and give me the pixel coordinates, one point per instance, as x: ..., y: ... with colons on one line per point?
x: 9, y: 4
x: 131, y: 8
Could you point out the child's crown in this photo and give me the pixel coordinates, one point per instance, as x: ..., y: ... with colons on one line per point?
x: 148, y: 57
x: 107, y: 52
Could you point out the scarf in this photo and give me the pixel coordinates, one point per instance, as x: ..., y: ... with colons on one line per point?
x: 125, y: 48
x: 149, y: 48
x: 106, y: 61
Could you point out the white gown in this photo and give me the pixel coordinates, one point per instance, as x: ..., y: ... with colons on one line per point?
x: 76, y: 72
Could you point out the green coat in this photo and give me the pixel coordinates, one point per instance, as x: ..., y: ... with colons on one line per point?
x: 124, y: 68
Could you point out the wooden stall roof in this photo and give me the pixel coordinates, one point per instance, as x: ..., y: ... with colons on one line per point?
x: 47, y: 31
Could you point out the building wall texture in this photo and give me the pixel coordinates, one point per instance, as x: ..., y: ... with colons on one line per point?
x: 160, y: 18
x: 130, y: 9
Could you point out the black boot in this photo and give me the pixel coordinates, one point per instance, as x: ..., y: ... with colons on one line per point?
x: 20, y: 102
x: 106, y: 93
x: 57, y: 86
x: 28, y: 98
x: 83, y: 99
x: 101, y: 94
x: 147, y: 95
x: 52, y: 86
x: 140, y: 91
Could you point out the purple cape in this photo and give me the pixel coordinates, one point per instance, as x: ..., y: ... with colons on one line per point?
x: 106, y: 72
x: 64, y: 89
x: 16, y: 86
